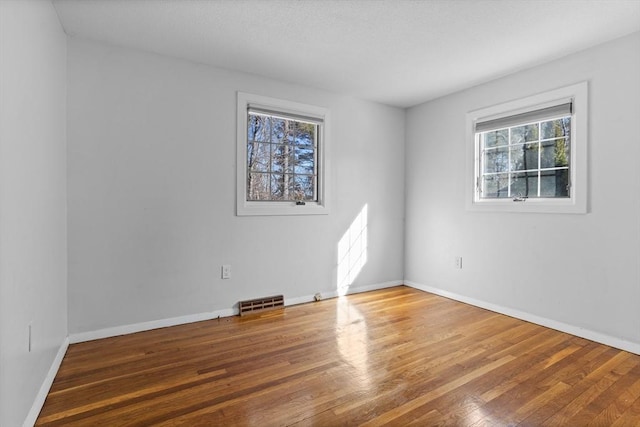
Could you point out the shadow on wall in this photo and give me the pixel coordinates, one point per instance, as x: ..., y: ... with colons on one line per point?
x: 352, y: 252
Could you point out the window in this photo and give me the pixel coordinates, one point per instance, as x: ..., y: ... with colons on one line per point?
x: 526, y: 157
x: 530, y: 155
x: 281, y: 149
x: 281, y: 157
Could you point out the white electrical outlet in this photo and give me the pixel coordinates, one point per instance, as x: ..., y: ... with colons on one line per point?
x: 226, y: 271
x: 458, y: 262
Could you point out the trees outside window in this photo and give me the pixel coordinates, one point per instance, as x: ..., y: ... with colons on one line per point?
x: 282, y: 157
x: 530, y: 154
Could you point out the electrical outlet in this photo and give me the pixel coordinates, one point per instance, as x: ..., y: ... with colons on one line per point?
x: 458, y: 262
x: 226, y: 271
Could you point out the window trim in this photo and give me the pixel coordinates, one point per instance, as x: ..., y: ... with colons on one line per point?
x: 248, y: 208
x: 577, y: 202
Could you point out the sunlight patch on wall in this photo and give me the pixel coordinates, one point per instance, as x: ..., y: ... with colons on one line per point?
x: 352, y: 252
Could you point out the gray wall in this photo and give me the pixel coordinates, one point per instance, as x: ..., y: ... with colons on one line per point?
x: 151, y: 165
x: 580, y: 270
x: 33, y: 251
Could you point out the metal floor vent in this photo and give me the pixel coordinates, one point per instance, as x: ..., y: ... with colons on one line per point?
x: 261, y: 304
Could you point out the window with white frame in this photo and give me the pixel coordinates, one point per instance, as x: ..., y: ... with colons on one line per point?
x: 281, y: 150
x: 530, y: 155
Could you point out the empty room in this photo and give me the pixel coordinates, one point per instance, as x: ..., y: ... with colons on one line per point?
x: 319, y: 213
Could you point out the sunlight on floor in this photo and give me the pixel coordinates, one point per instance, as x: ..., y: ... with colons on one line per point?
x: 353, y: 342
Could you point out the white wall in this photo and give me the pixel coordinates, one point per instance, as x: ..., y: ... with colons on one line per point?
x: 576, y: 270
x: 151, y: 165
x: 33, y: 255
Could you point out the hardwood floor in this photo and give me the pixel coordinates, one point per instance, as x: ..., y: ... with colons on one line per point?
x: 395, y: 357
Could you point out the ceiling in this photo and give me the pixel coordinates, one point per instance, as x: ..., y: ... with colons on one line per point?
x: 396, y: 52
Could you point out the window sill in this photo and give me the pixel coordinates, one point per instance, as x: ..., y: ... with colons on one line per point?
x: 280, y: 208
x: 566, y: 206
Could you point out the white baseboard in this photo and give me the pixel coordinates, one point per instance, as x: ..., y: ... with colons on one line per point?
x: 147, y: 326
x: 38, y: 403
x: 32, y: 416
x: 163, y: 323
x: 599, y: 337
x: 335, y: 293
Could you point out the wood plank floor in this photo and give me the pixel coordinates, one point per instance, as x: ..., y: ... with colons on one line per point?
x: 394, y: 357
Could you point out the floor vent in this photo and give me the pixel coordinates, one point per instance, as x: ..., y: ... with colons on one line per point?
x: 261, y: 304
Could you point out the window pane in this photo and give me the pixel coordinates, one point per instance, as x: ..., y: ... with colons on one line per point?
x: 526, y: 152
x: 496, y: 137
x: 531, y: 156
x: 555, y: 153
x: 304, y: 160
x: 524, y: 184
x: 284, y: 131
x: 258, y: 157
x: 289, y: 131
x: 251, y: 152
x: 258, y: 128
x: 495, y: 186
x: 554, y: 183
x: 304, y: 133
x: 279, y: 189
x: 304, y: 187
x: 556, y: 128
x: 496, y: 160
x: 283, y: 187
x: 524, y: 157
x: 258, y: 186
x: 526, y: 133
x: 282, y: 159
x: 278, y: 130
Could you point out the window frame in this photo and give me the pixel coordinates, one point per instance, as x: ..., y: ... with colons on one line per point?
x: 246, y: 207
x: 577, y: 201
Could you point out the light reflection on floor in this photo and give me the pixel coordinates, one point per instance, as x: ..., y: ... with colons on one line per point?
x: 477, y: 414
x: 353, y: 342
